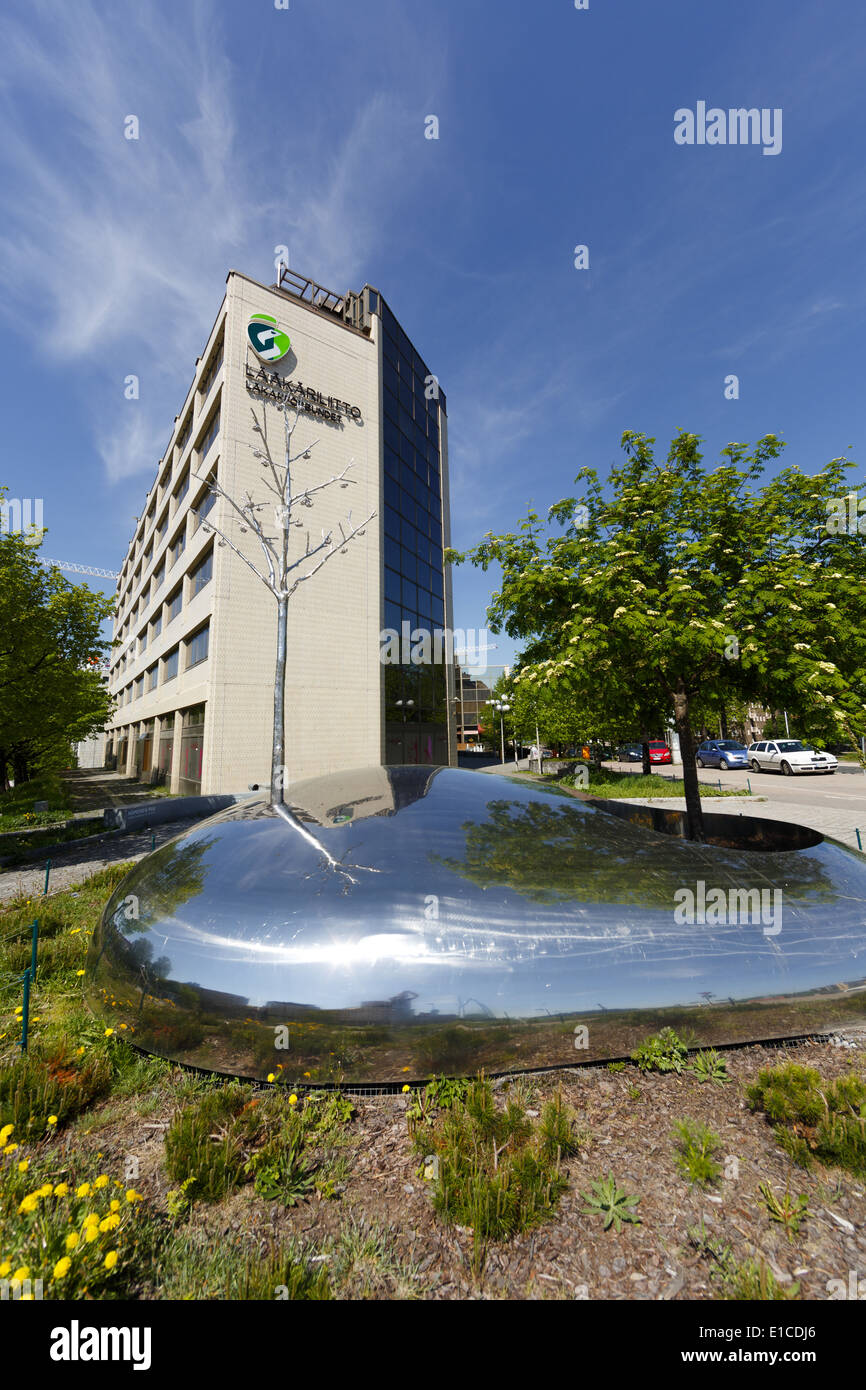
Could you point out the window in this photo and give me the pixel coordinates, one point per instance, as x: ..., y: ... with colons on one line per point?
x: 158, y: 576
x: 207, y: 503
x: 183, y: 437
x: 139, y: 687
x: 161, y: 529
x: 153, y: 676
x: 202, y: 574
x: 210, y: 434
x: 210, y: 375
x: 182, y: 488
x: 169, y: 670
x: 197, y: 646
x: 156, y: 627
x: 142, y: 642
x: 178, y: 545
x: 174, y: 605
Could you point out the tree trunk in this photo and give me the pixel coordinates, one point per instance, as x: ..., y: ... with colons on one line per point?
x: 723, y: 720
x: 694, y: 813
x: 278, y: 769
x: 646, y: 766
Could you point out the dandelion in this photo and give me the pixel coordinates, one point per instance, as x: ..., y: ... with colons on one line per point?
x: 52, y: 1119
x: 5, y: 1269
x: 62, y: 1189
x: 72, y: 1240
x: 10, y: 1148
x: 108, y: 1223
x: 133, y: 1196
x: 80, y: 972
x: 79, y: 1051
x: 108, y: 1031
x: 102, y: 1180
x: 24, y: 1164
x: 91, y: 1234
x: 405, y: 1089
x: 30, y: 1203
x: 22, y: 1273
x: 45, y: 1190
x: 293, y: 1100
x: 62, y: 1268
x: 5, y: 1132
x: 74, y: 931
x: 110, y: 1260
x: 83, y: 1190
x: 91, y: 1220
x: 404, y: 1068
x: 114, y: 1204
x: 271, y: 1076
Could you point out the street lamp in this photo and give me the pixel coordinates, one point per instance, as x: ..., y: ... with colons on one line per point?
x: 502, y: 707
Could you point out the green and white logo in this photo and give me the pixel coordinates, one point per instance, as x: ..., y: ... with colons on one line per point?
x: 268, y: 341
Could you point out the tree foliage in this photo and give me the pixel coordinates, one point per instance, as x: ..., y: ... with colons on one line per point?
x: 676, y: 587
x: 51, y: 692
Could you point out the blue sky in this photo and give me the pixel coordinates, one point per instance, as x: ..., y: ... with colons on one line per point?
x: 305, y: 127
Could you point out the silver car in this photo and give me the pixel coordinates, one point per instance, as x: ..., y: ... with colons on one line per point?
x: 789, y: 756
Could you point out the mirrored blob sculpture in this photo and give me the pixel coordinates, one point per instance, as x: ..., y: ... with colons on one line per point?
x: 390, y: 923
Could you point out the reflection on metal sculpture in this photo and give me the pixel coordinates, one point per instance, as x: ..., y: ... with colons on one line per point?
x: 407, y: 920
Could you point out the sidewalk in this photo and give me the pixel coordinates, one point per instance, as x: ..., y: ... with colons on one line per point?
x: 836, y: 823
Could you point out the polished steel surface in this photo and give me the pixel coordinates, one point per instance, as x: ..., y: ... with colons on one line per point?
x: 393, y: 922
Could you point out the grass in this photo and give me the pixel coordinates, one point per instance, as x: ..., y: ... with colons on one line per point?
x: 744, y: 1280
x: 79, y: 830
x: 663, y: 1051
x: 696, y: 1144
x: 604, y: 782
x: 813, y: 1119
x: 16, y: 805
x: 497, y: 1174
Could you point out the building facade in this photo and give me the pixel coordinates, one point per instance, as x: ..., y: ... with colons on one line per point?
x: 193, y: 670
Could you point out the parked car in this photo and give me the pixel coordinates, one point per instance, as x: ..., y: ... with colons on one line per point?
x: 722, y: 752
x: 790, y: 757
x: 659, y: 752
x: 630, y: 753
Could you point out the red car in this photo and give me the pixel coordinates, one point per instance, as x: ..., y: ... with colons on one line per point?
x: 659, y: 752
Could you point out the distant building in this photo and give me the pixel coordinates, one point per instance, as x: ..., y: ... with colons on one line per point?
x: 193, y: 674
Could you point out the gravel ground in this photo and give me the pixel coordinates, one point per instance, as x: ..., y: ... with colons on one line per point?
x: 629, y: 1117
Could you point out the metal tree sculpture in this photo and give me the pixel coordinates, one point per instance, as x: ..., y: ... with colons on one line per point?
x: 284, y: 573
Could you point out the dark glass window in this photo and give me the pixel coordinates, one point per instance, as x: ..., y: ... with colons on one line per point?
x: 392, y: 522
x: 178, y: 545
x: 202, y: 574
x: 392, y: 585
x: 175, y: 603
x: 393, y: 615
x: 408, y: 563
x: 392, y: 492
x: 152, y: 676
x: 211, y: 433
x: 170, y: 666
x: 183, y: 487
x: 392, y: 552
x: 197, y: 646
x: 392, y: 435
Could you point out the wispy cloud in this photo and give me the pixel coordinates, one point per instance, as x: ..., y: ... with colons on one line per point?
x: 119, y: 248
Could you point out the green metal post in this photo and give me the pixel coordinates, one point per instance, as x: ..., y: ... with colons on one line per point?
x: 33, y: 949
x: 25, y: 1016
x: 47, y: 876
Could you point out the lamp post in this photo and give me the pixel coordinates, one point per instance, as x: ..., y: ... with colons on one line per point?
x: 502, y: 707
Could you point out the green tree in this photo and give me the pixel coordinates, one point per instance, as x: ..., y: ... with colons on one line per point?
x: 51, y: 692
x: 676, y: 586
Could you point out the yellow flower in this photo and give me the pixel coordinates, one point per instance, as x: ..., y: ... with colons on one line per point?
x: 10, y: 1148
x: 45, y: 1190
x: 108, y: 1031
x: 5, y: 1132
x: 79, y: 1051
x: 62, y: 1189
x: 62, y: 1268
x: 115, y: 1205
x: 22, y: 1273
x: 91, y: 1219
x: 24, y: 1164
x: 404, y: 1068
x: 271, y: 1076
x: 133, y: 1196
x: 91, y: 1234
x: 293, y: 1100
x: 307, y: 1074
x: 108, y: 1224
x: 72, y: 1240
x: 74, y: 930
x: 83, y: 1190
x: 5, y: 1268
x: 80, y: 972
x: 405, y: 1089
x: 110, y: 1260
x: 52, y: 1119
x: 30, y: 1203
x: 101, y: 1181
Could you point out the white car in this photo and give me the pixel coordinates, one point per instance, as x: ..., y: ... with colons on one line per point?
x: 789, y: 756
